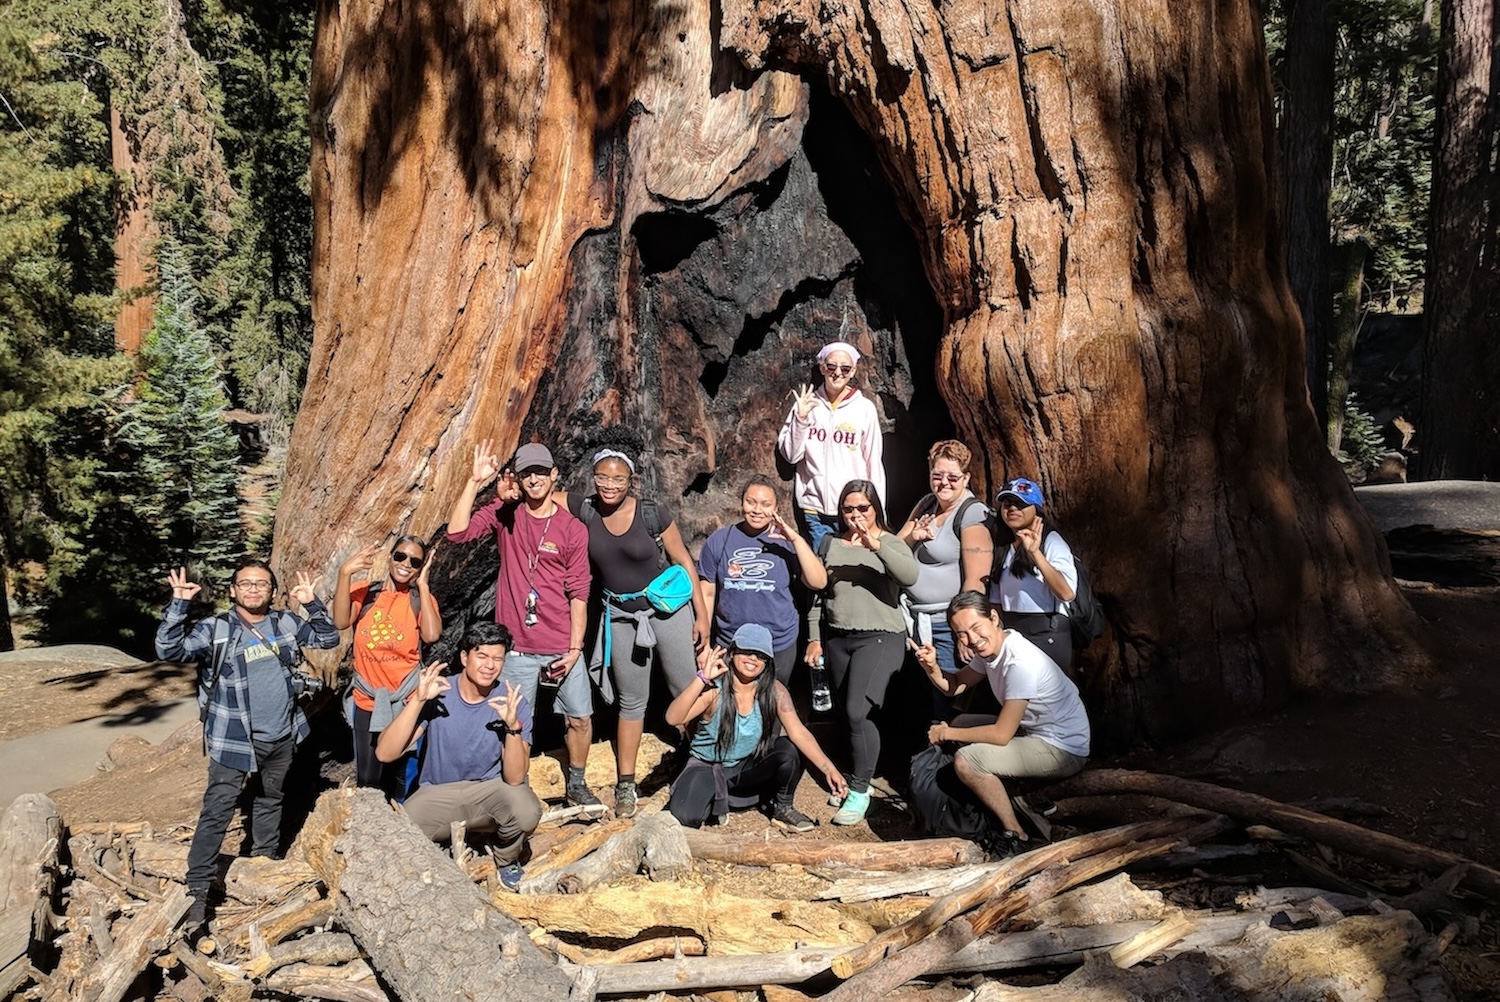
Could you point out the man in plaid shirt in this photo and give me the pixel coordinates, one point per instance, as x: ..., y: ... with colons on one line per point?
x: 247, y: 691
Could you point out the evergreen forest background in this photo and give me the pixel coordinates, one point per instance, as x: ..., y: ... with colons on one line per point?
x: 169, y: 139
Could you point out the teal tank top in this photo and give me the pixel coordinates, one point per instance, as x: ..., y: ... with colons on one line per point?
x: 747, y: 730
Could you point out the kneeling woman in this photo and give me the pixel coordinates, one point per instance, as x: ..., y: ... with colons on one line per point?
x: 1042, y: 731
x: 738, y: 752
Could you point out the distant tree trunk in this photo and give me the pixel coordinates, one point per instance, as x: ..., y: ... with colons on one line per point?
x: 7, y: 637
x: 1459, y: 435
x: 502, y: 251
x: 1307, y: 159
x: 1345, y: 331
x: 136, y: 234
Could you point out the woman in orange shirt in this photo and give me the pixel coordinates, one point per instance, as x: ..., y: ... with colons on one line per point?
x: 391, y: 619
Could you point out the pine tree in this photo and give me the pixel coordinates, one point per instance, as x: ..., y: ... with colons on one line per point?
x: 184, y: 480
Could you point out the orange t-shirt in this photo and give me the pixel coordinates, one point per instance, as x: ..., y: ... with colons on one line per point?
x: 387, y: 644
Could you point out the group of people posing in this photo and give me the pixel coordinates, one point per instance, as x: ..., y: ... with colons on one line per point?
x: 594, y: 590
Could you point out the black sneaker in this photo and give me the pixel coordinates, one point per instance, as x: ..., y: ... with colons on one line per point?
x: 196, y: 919
x: 788, y: 817
x: 625, y: 797
x: 998, y: 845
x: 579, y: 795
x: 510, y: 876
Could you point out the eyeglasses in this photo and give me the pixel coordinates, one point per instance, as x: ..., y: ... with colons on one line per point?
x: 253, y: 585
x: 837, y: 370
x: 611, y: 481
x: 850, y: 509
x: 401, y: 557
x: 947, y: 478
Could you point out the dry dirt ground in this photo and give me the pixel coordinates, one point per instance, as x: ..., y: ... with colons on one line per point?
x: 1421, y: 764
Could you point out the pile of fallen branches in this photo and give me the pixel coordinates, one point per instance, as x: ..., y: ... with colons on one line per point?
x: 365, y: 908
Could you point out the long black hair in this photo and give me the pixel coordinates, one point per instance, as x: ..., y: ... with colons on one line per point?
x: 868, y: 490
x: 765, y: 701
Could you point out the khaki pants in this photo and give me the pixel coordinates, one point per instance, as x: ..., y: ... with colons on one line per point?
x: 1023, y: 758
x: 490, y: 805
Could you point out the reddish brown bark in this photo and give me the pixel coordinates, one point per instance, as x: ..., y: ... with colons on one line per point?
x: 501, y: 251
x: 136, y: 234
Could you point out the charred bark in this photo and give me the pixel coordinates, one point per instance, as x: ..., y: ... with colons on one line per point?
x: 604, y: 223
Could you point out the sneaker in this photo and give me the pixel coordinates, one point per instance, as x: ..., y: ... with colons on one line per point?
x: 788, y: 817
x: 998, y: 845
x: 510, y: 876
x: 197, y: 915
x: 625, y: 799
x: 579, y: 795
x: 853, y: 810
x: 834, y: 800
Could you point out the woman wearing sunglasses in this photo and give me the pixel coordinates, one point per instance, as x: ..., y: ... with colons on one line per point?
x: 391, y: 619
x: 1036, y: 576
x: 832, y: 436
x: 858, y: 628
x: 949, y: 532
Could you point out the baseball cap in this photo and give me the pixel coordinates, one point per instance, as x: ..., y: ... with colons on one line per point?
x: 531, y: 455
x: 1023, y: 490
x: 753, y: 638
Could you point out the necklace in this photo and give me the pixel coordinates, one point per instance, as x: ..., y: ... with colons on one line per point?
x: 532, y: 559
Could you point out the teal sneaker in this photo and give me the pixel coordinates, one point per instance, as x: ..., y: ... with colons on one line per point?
x: 853, y: 810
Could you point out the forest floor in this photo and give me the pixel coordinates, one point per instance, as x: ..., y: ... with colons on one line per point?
x: 1421, y: 763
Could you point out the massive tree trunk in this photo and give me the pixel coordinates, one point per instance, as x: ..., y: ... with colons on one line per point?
x: 1050, y: 224
x: 1459, y: 436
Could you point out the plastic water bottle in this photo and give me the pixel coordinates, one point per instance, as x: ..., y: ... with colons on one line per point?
x: 822, y: 696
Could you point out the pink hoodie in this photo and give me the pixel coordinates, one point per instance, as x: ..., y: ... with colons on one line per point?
x: 836, y: 444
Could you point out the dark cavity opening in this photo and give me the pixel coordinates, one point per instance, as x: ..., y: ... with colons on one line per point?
x: 666, y: 239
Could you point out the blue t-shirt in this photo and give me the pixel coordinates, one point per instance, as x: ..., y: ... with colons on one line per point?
x: 461, y: 743
x: 752, y: 577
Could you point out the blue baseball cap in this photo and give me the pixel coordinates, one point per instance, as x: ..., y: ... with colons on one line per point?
x: 753, y: 638
x: 1023, y: 490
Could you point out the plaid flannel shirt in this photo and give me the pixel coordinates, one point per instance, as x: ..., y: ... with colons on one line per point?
x: 226, y: 729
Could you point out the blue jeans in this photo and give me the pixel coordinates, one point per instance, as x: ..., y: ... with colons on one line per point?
x: 818, y: 526
x: 574, y: 697
x: 947, y: 659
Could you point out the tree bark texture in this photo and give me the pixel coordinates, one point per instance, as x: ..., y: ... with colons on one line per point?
x: 427, y: 929
x: 1307, y: 158
x: 1049, y: 226
x: 1459, y: 436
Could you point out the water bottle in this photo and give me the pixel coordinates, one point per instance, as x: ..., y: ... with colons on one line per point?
x: 822, y: 697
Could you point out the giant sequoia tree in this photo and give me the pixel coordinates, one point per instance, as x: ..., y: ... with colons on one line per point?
x: 1050, y: 224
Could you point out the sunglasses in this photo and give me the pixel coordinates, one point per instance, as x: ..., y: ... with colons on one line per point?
x: 400, y: 557
x: 947, y: 478
x: 837, y: 370
x: 1013, y: 503
x: 850, y: 509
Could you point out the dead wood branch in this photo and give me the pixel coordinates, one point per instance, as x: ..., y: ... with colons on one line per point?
x: 425, y: 926
x: 30, y: 835
x: 1254, y: 809
x: 934, y: 852
x: 319, y: 948
x: 147, y: 935
x: 541, y: 878
x: 655, y: 844
x: 1152, y: 941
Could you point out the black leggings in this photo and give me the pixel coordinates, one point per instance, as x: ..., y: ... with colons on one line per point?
x: 861, y: 665
x: 390, y: 778
x: 773, y: 776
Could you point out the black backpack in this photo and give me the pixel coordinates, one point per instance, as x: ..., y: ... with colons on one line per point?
x: 944, y: 806
x: 928, y: 506
x: 1085, y: 618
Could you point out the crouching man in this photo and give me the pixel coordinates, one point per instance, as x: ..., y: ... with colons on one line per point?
x: 476, y: 753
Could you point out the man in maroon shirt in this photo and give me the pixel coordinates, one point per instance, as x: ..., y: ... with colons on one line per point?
x: 542, y: 591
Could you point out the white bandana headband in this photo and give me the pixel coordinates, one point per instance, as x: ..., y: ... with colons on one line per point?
x: 844, y: 346
x: 604, y: 454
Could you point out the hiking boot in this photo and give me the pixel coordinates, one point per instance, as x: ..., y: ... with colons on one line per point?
x: 788, y: 817
x: 197, y: 915
x: 1000, y: 846
x: 625, y: 797
x: 579, y: 795
x: 510, y: 876
x: 852, y: 812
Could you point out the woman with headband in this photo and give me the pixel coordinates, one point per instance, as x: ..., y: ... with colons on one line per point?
x: 391, y: 619
x: 832, y: 436
x: 631, y: 542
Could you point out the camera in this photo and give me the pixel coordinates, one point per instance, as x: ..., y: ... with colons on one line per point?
x: 306, y: 686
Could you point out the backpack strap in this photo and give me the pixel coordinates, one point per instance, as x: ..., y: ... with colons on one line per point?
x: 586, y: 511
x: 651, y: 516
x: 956, y: 522
x: 223, y: 636
x: 372, y: 592
x: 824, y: 545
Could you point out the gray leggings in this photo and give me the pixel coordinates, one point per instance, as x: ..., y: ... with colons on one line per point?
x: 631, y: 667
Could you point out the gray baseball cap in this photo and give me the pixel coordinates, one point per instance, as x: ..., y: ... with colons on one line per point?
x: 531, y: 455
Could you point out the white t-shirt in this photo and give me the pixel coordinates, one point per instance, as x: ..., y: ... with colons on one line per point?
x: 1054, y: 711
x: 1030, y: 593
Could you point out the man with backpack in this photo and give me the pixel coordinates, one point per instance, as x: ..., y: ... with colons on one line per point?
x: 248, y: 684
x: 541, y: 591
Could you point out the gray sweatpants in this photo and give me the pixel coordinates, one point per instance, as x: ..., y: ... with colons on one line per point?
x: 631, y: 666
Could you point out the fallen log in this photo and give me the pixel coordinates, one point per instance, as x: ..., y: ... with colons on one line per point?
x: 426, y: 928
x: 1008, y: 874
x: 1008, y: 951
x: 1252, y: 808
x: 541, y: 877
x: 320, y: 948
x: 927, y: 951
x: 305, y: 910
x: 251, y: 879
x: 148, y: 934
x: 1149, y: 942
x: 654, y: 844
x: 30, y: 835
x: 918, y: 853
x: 916, y: 882
x: 729, y: 923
